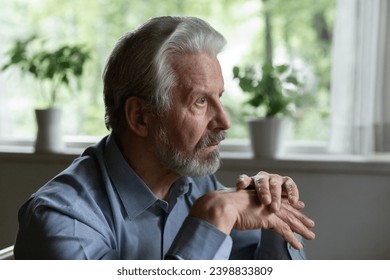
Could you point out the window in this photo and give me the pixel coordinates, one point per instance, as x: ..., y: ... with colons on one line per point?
x: 301, y: 33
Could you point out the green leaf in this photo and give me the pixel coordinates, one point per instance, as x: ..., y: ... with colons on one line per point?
x: 281, y: 69
x: 236, y: 71
x: 62, y: 65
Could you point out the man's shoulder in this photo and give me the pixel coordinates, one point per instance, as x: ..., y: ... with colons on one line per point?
x: 81, y: 180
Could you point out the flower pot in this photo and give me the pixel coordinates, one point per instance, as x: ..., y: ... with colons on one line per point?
x: 49, y: 135
x: 267, y: 136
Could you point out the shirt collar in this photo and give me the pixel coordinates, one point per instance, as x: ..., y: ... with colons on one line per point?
x: 133, y: 192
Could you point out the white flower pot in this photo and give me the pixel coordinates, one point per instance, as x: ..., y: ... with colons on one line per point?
x: 49, y: 135
x: 267, y: 136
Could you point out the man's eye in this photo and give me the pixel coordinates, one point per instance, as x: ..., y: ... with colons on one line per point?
x: 201, y: 100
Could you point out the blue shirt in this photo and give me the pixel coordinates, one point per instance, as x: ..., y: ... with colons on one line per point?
x: 98, y: 208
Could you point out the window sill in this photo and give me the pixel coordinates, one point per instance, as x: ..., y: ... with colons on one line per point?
x: 378, y: 164
x: 74, y: 145
x: 303, y: 156
x: 233, y: 153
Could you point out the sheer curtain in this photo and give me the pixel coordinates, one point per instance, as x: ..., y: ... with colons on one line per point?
x: 360, y: 91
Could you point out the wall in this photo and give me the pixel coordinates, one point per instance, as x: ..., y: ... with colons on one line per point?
x: 350, y: 201
x: 20, y: 176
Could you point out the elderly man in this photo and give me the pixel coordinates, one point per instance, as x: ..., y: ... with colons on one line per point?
x: 147, y: 190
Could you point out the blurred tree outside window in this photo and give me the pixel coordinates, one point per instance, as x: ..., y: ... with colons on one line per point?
x: 301, y: 36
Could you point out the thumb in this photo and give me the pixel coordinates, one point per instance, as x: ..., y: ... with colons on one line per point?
x: 243, y: 181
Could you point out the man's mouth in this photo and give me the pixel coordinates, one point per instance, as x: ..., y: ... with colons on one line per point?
x: 212, y: 140
x: 214, y: 144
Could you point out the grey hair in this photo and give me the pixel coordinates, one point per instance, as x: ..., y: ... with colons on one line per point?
x: 140, y: 63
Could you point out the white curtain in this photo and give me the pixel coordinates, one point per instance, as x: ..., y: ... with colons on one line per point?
x: 360, y: 91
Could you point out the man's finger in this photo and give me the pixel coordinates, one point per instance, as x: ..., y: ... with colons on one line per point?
x: 243, y: 182
x: 275, y: 189
x: 297, y: 221
x: 290, y: 190
x: 262, y: 186
x: 285, y: 231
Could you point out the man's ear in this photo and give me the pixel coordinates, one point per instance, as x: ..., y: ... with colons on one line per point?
x: 137, y: 115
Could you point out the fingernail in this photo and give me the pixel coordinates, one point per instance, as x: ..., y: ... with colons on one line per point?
x: 299, y: 203
x: 257, y: 177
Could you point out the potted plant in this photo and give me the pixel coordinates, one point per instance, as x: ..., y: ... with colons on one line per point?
x: 273, y: 91
x: 55, y: 71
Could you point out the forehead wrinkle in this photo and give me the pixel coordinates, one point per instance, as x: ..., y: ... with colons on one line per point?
x: 196, y: 77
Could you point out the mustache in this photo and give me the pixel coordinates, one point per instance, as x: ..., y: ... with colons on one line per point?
x: 211, y: 138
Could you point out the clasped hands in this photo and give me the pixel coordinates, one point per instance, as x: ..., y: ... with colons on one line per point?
x: 267, y: 201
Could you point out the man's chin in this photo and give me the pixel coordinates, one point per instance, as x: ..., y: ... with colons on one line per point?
x: 203, y: 165
x: 210, y: 151
x: 200, y: 162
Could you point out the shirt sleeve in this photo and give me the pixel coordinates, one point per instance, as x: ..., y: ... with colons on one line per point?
x: 199, y: 240
x: 50, y: 234
x: 263, y: 245
x: 273, y: 247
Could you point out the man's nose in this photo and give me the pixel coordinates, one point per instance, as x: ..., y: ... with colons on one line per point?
x: 221, y: 119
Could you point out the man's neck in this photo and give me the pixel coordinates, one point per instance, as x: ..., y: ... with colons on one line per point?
x: 144, y: 162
